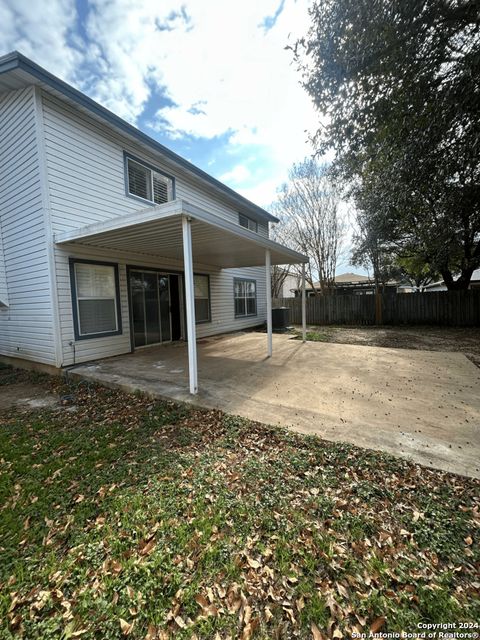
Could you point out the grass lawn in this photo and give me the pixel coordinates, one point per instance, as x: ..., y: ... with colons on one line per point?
x: 121, y: 517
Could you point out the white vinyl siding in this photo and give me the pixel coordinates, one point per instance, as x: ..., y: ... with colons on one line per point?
x: 26, y: 325
x: 3, y: 274
x: 80, y: 151
x: 221, y: 301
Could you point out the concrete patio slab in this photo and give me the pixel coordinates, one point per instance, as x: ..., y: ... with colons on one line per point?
x: 422, y: 405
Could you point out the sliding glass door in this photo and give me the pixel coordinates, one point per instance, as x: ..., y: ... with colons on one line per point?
x: 150, y: 299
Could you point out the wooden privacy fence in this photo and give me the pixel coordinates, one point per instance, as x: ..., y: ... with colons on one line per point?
x: 443, y: 308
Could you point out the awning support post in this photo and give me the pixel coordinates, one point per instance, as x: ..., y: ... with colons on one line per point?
x: 268, y: 279
x: 190, y: 304
x: 304, y: 310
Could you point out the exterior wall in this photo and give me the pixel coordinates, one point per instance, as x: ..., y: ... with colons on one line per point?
x: 86, y: 172
x: 290, y: 285
x: 3, y: 273
x: 85, y: 164
x: 26, y: 324
x: 221, y: 300
x: 441, y: 286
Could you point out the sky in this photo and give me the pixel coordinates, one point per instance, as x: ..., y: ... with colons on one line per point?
x: 210, y: 79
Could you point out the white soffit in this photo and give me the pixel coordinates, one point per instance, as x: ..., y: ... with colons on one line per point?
x: 157, y: 232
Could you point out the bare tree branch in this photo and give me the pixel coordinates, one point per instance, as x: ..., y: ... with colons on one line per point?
x: 308, y: 207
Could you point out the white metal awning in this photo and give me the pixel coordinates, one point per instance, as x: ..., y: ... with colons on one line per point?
x: 157, y: 231
x: 182, y: 231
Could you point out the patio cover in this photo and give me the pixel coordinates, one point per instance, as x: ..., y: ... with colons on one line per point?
x: 157, y: 231
x: 180, y: 230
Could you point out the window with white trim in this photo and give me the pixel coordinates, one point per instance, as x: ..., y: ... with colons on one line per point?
x: 202, y: 298
x: 148, y: 184
x: 95, y: 299
x: 245, y: 296
x: 248, y: 223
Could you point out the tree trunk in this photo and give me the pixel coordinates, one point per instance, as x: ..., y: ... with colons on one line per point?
x: 461, y: 284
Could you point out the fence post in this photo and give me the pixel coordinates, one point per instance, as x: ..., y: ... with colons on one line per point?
x: 378, y: 307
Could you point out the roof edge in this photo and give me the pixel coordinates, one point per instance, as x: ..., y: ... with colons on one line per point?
x: 16, y: 60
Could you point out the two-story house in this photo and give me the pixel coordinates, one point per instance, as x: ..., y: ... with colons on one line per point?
x: 109, y: 241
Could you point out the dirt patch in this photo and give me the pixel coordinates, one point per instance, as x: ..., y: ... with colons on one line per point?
x: 28, y: 389
x: 23, y: 394
x: 453, y: 339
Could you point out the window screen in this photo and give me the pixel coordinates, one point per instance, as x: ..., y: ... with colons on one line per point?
x: 96, y: 299
x: 245, y: 297
x: 202, y: 298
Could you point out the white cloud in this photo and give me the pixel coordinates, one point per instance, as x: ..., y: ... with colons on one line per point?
x: 223, y: 70
x: 244, y: 77
x: 240, y: 173
x: 41, y: 31
x: 262, y: 193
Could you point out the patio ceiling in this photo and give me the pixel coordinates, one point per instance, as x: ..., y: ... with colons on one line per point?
x: 157, y: 231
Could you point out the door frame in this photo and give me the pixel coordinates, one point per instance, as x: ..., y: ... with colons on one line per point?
x: 157, y: 270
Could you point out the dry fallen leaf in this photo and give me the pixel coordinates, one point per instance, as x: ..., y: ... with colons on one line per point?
x: 147, y: 549
x: 181, y: 622
x: 254, y: 564
x: 126, y: 627
x: 377, y: 624
x: 151, y: 632
x: 316, y: 633
x: 208, y: 609
x: 202, y: 601
x: 116, y: 566
x: 341, y: 590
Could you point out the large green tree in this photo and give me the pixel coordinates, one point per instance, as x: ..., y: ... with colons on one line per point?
x: 398, y: 84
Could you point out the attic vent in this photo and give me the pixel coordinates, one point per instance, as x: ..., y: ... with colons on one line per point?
x: 147, y: 183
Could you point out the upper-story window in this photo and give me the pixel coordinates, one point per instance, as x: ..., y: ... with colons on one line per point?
x: 247, y: 222
x: 147, y: 182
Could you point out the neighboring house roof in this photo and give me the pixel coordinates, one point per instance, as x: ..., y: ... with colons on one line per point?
x: 17, y: 71
x: 353, y: 279
x: 440, y: 283
x: 350, y: 278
